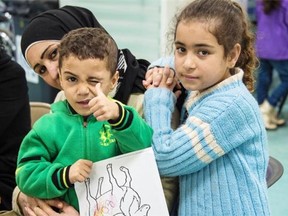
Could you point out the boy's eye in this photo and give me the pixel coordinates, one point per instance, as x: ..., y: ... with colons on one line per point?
x: 94, y: 82
x: 71, y: 79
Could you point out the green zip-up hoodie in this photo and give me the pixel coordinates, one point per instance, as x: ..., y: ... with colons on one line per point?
x: 60, y: 138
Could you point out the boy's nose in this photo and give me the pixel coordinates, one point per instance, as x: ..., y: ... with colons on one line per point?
x: 83, y: 89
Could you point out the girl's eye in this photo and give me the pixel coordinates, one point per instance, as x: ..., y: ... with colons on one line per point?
x: 203, y: 53
x: 180, y: 49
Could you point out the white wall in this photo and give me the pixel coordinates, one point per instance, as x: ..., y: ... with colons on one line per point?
x: 134, y: 24
x: 140, y: 25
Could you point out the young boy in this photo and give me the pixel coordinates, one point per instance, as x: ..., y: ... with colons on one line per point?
x: 85, y: 128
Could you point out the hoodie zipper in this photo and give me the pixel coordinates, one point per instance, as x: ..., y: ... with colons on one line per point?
x: 85, y: 144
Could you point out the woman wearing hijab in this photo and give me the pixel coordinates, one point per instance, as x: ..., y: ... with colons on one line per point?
x: 39, y: 45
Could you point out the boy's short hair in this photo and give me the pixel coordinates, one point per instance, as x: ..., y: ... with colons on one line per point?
x: 89, y: 43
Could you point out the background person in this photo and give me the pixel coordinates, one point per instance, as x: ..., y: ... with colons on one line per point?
x: 271, y: 46
x: 15, y: 122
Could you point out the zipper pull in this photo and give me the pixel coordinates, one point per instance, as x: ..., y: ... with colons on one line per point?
x: 85, y: 124
x: 85, y: 121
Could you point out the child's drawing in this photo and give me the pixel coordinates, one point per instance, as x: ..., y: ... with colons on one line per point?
x: 126, y: 185
x: 119, y: 200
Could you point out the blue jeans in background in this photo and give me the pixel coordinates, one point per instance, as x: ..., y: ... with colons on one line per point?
x: 265, y: 79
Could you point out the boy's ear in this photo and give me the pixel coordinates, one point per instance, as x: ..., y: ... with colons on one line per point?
x: 234, y: 55
x: 114, y: 80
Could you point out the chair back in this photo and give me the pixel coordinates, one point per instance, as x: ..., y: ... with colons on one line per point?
x: 38, y: 109
x: 274, y: 171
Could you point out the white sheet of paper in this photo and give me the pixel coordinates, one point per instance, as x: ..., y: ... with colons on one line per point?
x: 128, y: 184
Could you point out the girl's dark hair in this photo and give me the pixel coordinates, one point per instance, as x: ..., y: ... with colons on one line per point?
x: 229, y: 24
x: 270, y: 5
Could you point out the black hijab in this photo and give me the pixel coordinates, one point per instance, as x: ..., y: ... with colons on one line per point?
x: 54, y: 24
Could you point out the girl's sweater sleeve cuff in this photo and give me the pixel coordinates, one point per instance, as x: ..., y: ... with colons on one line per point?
x: 159, y: 105
x: 160, y: 96
x: 161, y: 62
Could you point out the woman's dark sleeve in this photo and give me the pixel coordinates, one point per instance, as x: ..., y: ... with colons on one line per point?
x: 15, y: 122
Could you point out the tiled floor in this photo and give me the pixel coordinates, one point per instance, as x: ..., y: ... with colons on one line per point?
x: 278, y: 148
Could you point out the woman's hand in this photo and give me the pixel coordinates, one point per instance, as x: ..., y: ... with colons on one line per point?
x: 36, y: 207
x: 47, y: 208
x: 25, y: 201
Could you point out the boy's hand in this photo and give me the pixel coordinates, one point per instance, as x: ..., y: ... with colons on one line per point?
x: 80, y: 170
x: 102, y: 107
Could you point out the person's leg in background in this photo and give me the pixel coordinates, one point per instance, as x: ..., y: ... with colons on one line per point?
x: 264, y: 81
x: 281, y: 91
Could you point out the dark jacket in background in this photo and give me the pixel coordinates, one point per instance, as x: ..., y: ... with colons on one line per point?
x: 14, y: 123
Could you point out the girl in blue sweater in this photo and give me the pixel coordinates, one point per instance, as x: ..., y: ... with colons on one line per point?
x: 219, y: 151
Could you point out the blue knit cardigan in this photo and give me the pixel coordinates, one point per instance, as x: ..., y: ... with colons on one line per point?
x: 219, y: 151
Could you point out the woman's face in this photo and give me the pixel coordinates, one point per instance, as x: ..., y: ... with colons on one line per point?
x: 43, y: 59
